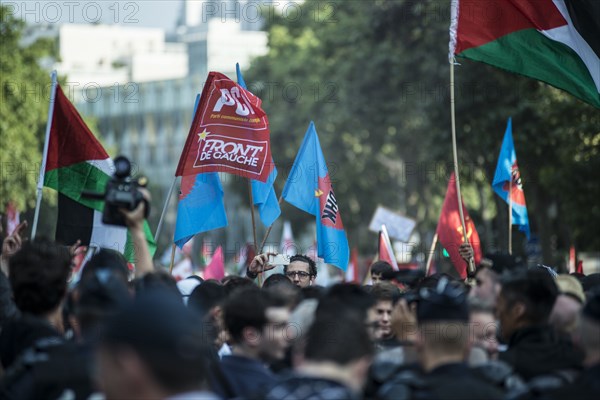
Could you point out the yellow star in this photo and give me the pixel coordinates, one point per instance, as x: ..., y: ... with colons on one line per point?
x: 318, y: 193
x: 202, y: 135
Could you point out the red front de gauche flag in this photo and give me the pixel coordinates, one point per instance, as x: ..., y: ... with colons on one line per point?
x: 229, y: 133
x: 450, y: 231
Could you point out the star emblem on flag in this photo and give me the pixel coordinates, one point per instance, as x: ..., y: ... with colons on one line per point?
x: 318, y: 193
x: 202, y: 135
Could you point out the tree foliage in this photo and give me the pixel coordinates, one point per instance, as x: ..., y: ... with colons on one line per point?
x: 374, y: 76
x: 25, y: 91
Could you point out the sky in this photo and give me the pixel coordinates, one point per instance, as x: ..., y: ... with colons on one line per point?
x: 145, y: 13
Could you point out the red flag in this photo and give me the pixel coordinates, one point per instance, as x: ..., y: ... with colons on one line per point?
x: 450, y: 232
x: 12, y: 218
x: 572, y: 259
x: 579, y: 268
x: 216, y: 268
x: 229, y: 133
x: 386, y: 252
x: 352, y: 270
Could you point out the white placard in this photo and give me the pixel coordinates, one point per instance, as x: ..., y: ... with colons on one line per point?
x: 398, y: 226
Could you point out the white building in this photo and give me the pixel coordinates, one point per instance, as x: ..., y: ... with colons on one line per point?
x: 139, y: 84
x: 119, y: 54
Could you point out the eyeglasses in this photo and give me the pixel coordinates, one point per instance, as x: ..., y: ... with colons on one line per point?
x: 300, y: 274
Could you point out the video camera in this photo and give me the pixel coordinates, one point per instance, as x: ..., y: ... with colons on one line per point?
x: 120, y: 192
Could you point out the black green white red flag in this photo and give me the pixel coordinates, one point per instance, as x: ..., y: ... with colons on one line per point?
x: 554, y: 41
x: 76, y: 161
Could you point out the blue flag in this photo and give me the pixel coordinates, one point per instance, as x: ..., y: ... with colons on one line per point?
x: 507, y: 171
x: 309, y: 188
x: 201, y: 206
x: 263, y: 193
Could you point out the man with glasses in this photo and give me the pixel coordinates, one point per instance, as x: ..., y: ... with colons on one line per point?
x: 301, y: 270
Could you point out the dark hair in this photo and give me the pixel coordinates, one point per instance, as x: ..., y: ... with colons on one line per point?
x: 155, y: 281
x: 234, y: 283
x: 38, y: 276
x: 312, y: 292
x: 166, y: 336
x: 535, y: 288
x: 206, y: 296
x: 385, y: 291
x: 340, y: 339
x: 282, y: 287
x: 101, y: 296
x: 312, y: 266
x: 380, y: 267
x: 276, y: 279
x: 345, y: 296
x: 107, y: 258
x: 245, y: 308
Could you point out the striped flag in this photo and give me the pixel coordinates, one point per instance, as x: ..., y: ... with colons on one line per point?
x: 77, y: 162
x: 554, y: 41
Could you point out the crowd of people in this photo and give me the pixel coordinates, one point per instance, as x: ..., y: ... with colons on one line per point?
x: 516, y: 333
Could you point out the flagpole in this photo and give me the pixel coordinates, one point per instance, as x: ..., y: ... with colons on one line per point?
x: 164, y: 211
x: 431, y: 252
x: 40, y: 184
x: 510, y: 215
x: 172, y: 259
x: 252, y: 213
x: 471, y: 266
x: 262, y: 244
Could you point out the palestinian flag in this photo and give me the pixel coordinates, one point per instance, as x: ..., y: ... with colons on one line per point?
x: 554, y: 41
x: 75, y: 162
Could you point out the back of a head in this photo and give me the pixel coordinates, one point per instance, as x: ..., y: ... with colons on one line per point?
x: 589, y: 329
x: 347, y: 296
x: 166, y: 336
x: 100, y: 296
x: 157, y: 281
x: 277, y: 279
x: 245, y: 308
x: 38, y: 276
x: 535, y: 288
x: 206, y: 296
x: 442, y: 316
x: 107, y: 259
x: 284, y: 288
x: 313, y: 292
x: 591, y: 282
x: 235, y: 283
x: 341, y: 339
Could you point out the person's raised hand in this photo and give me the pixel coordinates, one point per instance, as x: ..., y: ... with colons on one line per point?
x: 260, y: 263
x: 13, y: 242
x: 466, y: 251
x: 135, y: 218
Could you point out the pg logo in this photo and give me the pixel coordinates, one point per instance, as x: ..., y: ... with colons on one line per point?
x: 233, y: 97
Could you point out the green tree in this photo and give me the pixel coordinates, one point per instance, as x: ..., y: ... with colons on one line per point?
x: 374, y: 76
x: 25, y: 91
